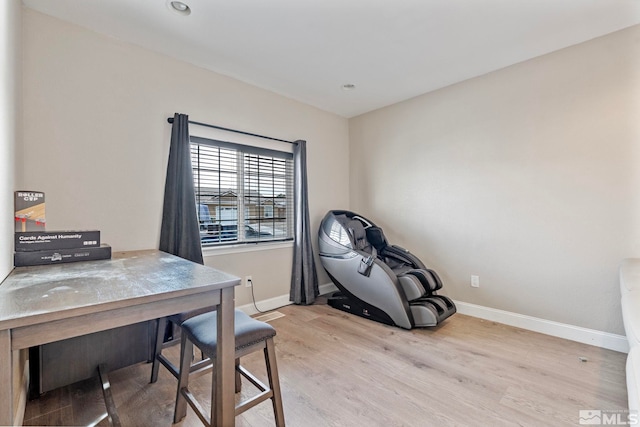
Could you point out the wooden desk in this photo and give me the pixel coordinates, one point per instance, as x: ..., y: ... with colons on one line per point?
x: 43, y: 304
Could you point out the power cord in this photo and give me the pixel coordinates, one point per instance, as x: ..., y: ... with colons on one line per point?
x: 253, y: 297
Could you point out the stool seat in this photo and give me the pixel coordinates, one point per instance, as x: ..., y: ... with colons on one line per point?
x: 201, y: 330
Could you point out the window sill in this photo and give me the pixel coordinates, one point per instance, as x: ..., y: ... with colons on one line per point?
x: 241, y: 248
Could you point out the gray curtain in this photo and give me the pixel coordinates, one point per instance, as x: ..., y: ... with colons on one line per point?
x: 304, y: 279
x: 180, y: 230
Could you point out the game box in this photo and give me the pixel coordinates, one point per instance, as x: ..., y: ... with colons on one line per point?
x: 57, y: 256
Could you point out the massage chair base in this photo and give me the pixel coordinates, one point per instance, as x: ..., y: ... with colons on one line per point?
x: 359, y: 308
x: 426, y: 312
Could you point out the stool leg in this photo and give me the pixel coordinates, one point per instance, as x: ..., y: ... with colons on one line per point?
x: 238, y: 376
x: 212, y: 414
x: 157, y: 350
x: 274, y: 382
x: 186, y: 354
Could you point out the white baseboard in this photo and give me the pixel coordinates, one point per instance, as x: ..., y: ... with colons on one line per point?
x: 548, y: 327
x: 266, y: 305
x: 279, y: 301
x: 561, y: 330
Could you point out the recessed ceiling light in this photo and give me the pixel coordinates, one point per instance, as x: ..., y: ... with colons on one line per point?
x: 179, y: 7
x: 348, y: 86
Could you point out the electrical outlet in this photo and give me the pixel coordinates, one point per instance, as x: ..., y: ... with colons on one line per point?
x: 475, y: 281
x: 248, y: 281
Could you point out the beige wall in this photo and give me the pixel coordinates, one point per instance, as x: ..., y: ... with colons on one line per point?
x: 10, y: 28
x: 96, y: 138
x: 527, y: 177
x: 10, y: 65
x: 270, y: 272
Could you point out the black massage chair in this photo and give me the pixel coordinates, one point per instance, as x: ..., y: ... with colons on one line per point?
x: 376, y: 280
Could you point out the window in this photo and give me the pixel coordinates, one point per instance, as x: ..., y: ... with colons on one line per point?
x: 244, y: 194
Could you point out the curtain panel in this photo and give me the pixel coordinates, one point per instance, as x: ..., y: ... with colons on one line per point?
x: 180, y: 230
x: 304, y: 279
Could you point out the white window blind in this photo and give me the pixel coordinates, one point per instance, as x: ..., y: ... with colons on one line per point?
x: 244, y: 194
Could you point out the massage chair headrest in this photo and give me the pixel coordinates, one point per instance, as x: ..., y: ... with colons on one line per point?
x: 376, y: 238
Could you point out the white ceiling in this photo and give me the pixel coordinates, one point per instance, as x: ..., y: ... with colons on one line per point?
x: 391, y: 50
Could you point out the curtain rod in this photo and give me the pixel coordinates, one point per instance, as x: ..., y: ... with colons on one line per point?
x: 170, y: 120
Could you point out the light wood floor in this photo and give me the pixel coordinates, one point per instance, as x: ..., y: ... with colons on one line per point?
x: 341, y: 370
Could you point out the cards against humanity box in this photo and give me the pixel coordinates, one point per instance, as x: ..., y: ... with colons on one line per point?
x: 49, y: 240
x: 29, y: 210
x: 57, y: 256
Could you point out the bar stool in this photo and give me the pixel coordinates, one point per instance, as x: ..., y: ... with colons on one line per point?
x: 250, y: 335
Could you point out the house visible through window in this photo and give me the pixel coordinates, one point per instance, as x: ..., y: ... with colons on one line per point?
x: 244, y: 194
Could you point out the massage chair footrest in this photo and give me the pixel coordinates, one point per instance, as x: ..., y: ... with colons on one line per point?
x: 431, y: 310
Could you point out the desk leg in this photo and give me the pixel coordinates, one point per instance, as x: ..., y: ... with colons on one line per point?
x: 6, y: 379
x: 223, y: 411
x: 112, y: 411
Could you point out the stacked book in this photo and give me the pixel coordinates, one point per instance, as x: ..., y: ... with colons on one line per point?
x: 35, y: 246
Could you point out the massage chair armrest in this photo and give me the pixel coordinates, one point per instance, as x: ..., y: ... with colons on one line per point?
x: 400, y: 249
x: 403, y: 254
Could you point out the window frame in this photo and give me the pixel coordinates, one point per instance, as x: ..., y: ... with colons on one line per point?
x: 246, y: 153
